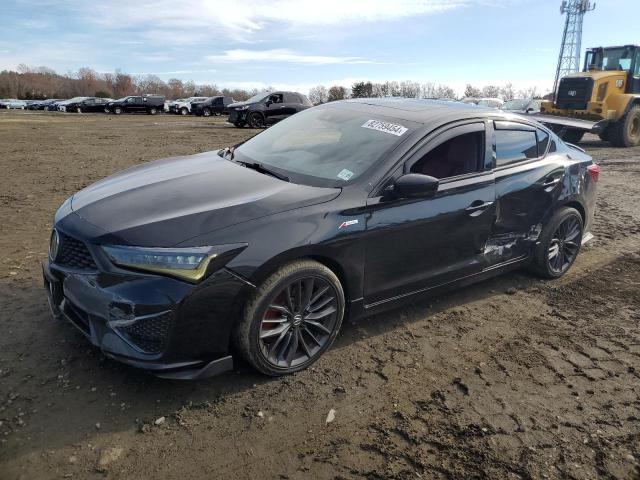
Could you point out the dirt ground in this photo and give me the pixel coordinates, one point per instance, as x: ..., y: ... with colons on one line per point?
x: 511, y: 378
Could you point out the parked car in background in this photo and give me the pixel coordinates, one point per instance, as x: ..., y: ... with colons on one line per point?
x: 522, y: 105
x: 267, y: 108
x: 53, y: 106
x: 13, y: 104
x: 41, y: 104
x: 183, y: 106
x: 490, y: 102
x: 88, y: 105
x: 150, y: 104
x: 62, y: 105
x: 470, y: 100
x: 212, y: 106
x: 366, y: 204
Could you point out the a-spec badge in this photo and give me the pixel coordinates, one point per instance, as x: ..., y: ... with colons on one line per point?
x: 347, y: 223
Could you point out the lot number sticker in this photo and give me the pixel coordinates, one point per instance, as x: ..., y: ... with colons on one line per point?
x: 345, y: 174
x: 385, y: 127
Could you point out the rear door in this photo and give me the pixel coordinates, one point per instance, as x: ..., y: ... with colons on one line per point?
x: 528, y: 176
x: 417, y: 244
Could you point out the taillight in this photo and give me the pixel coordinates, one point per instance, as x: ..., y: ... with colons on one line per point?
x: 594, y: 171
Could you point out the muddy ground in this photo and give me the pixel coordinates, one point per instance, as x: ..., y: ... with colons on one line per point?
x: 543, y: 382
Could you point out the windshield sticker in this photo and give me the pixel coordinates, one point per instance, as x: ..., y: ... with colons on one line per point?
x: 345, y: 174
x: 385, y: 127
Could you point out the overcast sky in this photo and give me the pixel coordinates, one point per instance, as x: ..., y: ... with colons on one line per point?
x: 301, y: 43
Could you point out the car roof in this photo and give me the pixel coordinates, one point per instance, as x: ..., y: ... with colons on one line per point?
x: 421, y: 110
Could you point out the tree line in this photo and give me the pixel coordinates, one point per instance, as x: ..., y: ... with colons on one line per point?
x: 43, y: 82
x: 409, y: 89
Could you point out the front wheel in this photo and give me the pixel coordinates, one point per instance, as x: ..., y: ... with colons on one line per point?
x: 573, y: 136
x: 79, y: 110
x: 256, y: 120
x: 153, y: 111
x: 184, y: 111
x: 292, y: 319
x: 626, y: 131
x: 117, y: 110
x: 559, y: 243
x: 206, y: 112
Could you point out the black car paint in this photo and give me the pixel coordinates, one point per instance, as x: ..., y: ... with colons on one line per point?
x: 476, y: 226
x: 88, y: 105
x: 272, y: 112
x: 136, y: 104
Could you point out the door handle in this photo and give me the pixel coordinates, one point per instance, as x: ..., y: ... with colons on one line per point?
x: 478, y: 205
x: 550, y: 182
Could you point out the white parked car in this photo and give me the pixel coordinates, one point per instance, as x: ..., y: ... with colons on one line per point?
x: 12, y: 103
x: 490, y: 102
x: 183, y: 105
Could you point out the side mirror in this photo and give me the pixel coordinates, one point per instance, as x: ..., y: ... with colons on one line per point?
x: 414, y: 185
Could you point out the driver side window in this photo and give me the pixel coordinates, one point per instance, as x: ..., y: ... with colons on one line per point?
x: 276, y: 98
x: 458, y: 155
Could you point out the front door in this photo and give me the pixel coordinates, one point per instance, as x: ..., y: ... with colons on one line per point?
x: 417, y: 244
x: 275, y: 108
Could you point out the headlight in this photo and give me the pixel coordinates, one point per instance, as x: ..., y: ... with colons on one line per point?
x: 243, y: 107
x: 191, y: 263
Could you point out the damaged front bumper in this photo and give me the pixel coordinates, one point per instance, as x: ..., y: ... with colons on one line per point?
x: 171, y: 328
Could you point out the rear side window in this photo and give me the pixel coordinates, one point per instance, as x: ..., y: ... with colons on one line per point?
x: 543, y: 141
x: 515, y: 146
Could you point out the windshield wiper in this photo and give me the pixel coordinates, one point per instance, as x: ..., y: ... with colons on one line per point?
x: 258, y: 167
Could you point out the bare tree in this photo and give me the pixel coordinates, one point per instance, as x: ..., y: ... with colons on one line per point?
x: 507, y: 92
x: 336, y: 93
x: 491, y: 91
x: 318, y: 95
x: 472, y: 92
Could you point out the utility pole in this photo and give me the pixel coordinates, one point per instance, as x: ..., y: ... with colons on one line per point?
x: 569, y: 59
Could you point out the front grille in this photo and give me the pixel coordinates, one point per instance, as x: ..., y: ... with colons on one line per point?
x: 574, y: 93
x: 149, y: 334
x: 74, y: 254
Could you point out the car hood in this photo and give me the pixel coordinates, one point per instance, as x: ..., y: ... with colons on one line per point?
x: 166, y: 202
x: 240, y: 104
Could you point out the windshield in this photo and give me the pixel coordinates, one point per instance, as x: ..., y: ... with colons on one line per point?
x: 258, y: 97
x: 610, y: 59
x: 325, y: 146
x: 518, y: 104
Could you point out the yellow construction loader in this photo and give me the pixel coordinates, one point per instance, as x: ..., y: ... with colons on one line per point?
x: 604, y: 98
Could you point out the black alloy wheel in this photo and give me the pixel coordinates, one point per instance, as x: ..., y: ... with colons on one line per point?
x: 256, y: 120
x: 206, y: 112
x: 564, y: 245
x: 559, y: 243
x: 292, y: 319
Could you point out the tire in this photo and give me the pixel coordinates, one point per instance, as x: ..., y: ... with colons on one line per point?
x: 206, y: 112
x: 117, y: 110
x: 184, y: 111
x: 563, y: 234
x: 256, y: 120
x: 153, y: 111
x: 307, y: 330
x: 573, y: 136
x: 626, y: 131
x: 79, y: 110
x: 604, y: 135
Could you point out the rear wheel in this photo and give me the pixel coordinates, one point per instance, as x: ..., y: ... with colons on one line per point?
x: 626, y: 131
x: 573, y: 136
x: 153, y: 111
x: 184, y: 111
x: 79, y: 109
x: 206, y: 112
x: 292, y: 319
x: 559, y: 244
x: 117, y: 110
x: 256, y: 120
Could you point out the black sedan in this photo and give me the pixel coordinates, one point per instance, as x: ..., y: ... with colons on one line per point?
x: 88, y: 105
x: 348, y: 208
